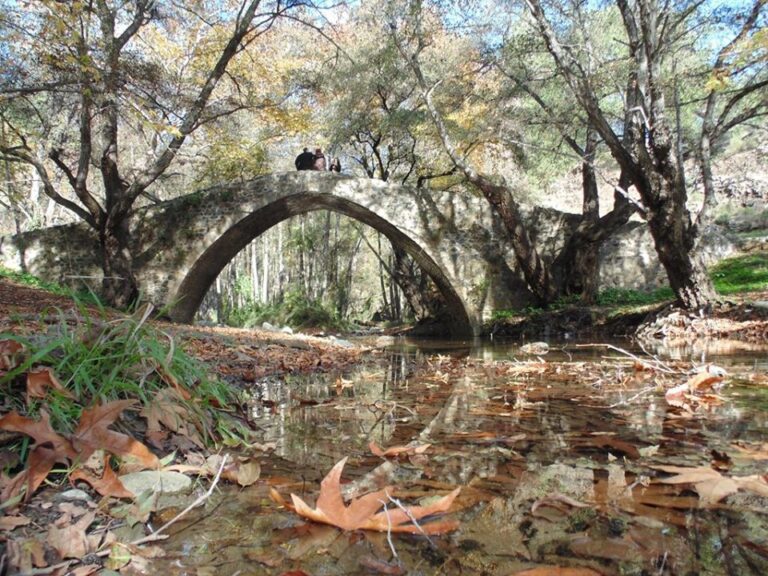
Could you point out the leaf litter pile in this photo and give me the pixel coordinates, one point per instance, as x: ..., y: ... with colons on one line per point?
x: 408, y: 465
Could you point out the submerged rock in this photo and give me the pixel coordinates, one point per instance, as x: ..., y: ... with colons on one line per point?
x: 535, y: 348
x: 157, y: 481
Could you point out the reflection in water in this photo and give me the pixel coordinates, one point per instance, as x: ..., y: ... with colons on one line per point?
x: 556, y: 468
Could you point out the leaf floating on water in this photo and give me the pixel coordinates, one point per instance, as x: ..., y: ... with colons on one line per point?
x: 711, y: 485
x: 397, y: 450
x: 703, y: 381
x: 361, y: 513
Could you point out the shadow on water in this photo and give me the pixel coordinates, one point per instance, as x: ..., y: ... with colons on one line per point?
x: 558, y: 458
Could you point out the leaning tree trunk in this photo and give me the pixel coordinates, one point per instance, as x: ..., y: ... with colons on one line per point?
x: 119, y: 286
x: 674, y: 240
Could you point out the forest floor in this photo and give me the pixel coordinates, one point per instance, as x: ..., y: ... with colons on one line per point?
x: 555, y: 523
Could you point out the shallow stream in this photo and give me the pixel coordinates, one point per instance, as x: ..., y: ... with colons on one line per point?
x: 557, y: 456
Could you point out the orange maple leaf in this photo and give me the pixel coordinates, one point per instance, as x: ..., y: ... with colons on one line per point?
x: 361, y: 513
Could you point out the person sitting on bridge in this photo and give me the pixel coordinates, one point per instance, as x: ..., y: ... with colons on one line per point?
x: 305, y: 160
x: 319, y: 162
x: 335, y: 165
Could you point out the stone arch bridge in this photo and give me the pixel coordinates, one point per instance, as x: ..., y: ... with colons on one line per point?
x: 181, y: 245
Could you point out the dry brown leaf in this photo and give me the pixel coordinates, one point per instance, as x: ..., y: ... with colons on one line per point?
x: 92, y: 434
x: 108, y: 485
x: 41, y: 431
x: 50, y: 447
x: 23, y: 555
x: 247, y: 473
x: 397, y: 450
x: 754, y: 483
x: 381, y: 567
x: 555, y: 500
x: 172, y: 381
x: 756, y: 453
x: 10, y: 351
x: 710, y: 484
x: 361, y: 514
x: 10, y: 523
x: 686, y: 475
x: 703, y: 380
x: 168, y: 410
x: 38, y: 382
x: 71, y: 541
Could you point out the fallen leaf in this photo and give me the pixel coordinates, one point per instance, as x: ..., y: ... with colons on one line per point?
x: 555, y: 501
x: 397, y: 450
x: 40, y: 431
x: 107, y: 485
x: 10, y: 523
x: 686, y: 475
x: 71, y: 541
x: 23, y: 555
x: 38, y: 382
x: 119, y: 556
x: 137, y: 511
x: 703, y: 380
x: 711, y: 485
x: 172, y: 381
x: 361, y: 514
x: 169, y: 411
x: 39, y: 463
x: 9, y: 352
x: 92, y: 434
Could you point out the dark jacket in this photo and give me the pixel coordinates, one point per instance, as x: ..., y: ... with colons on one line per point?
x: 305, y: 161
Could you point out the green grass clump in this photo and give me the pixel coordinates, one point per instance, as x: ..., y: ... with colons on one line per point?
x: 747, y: 273
x: 627, y: 297
x: 99, y: 360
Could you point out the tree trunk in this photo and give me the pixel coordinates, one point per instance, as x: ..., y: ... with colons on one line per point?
x: 674, y: 241
x: 119, y: 286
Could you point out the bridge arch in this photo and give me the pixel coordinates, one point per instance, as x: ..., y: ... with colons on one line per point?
x: 245, y: 211
x: 202, y: 274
